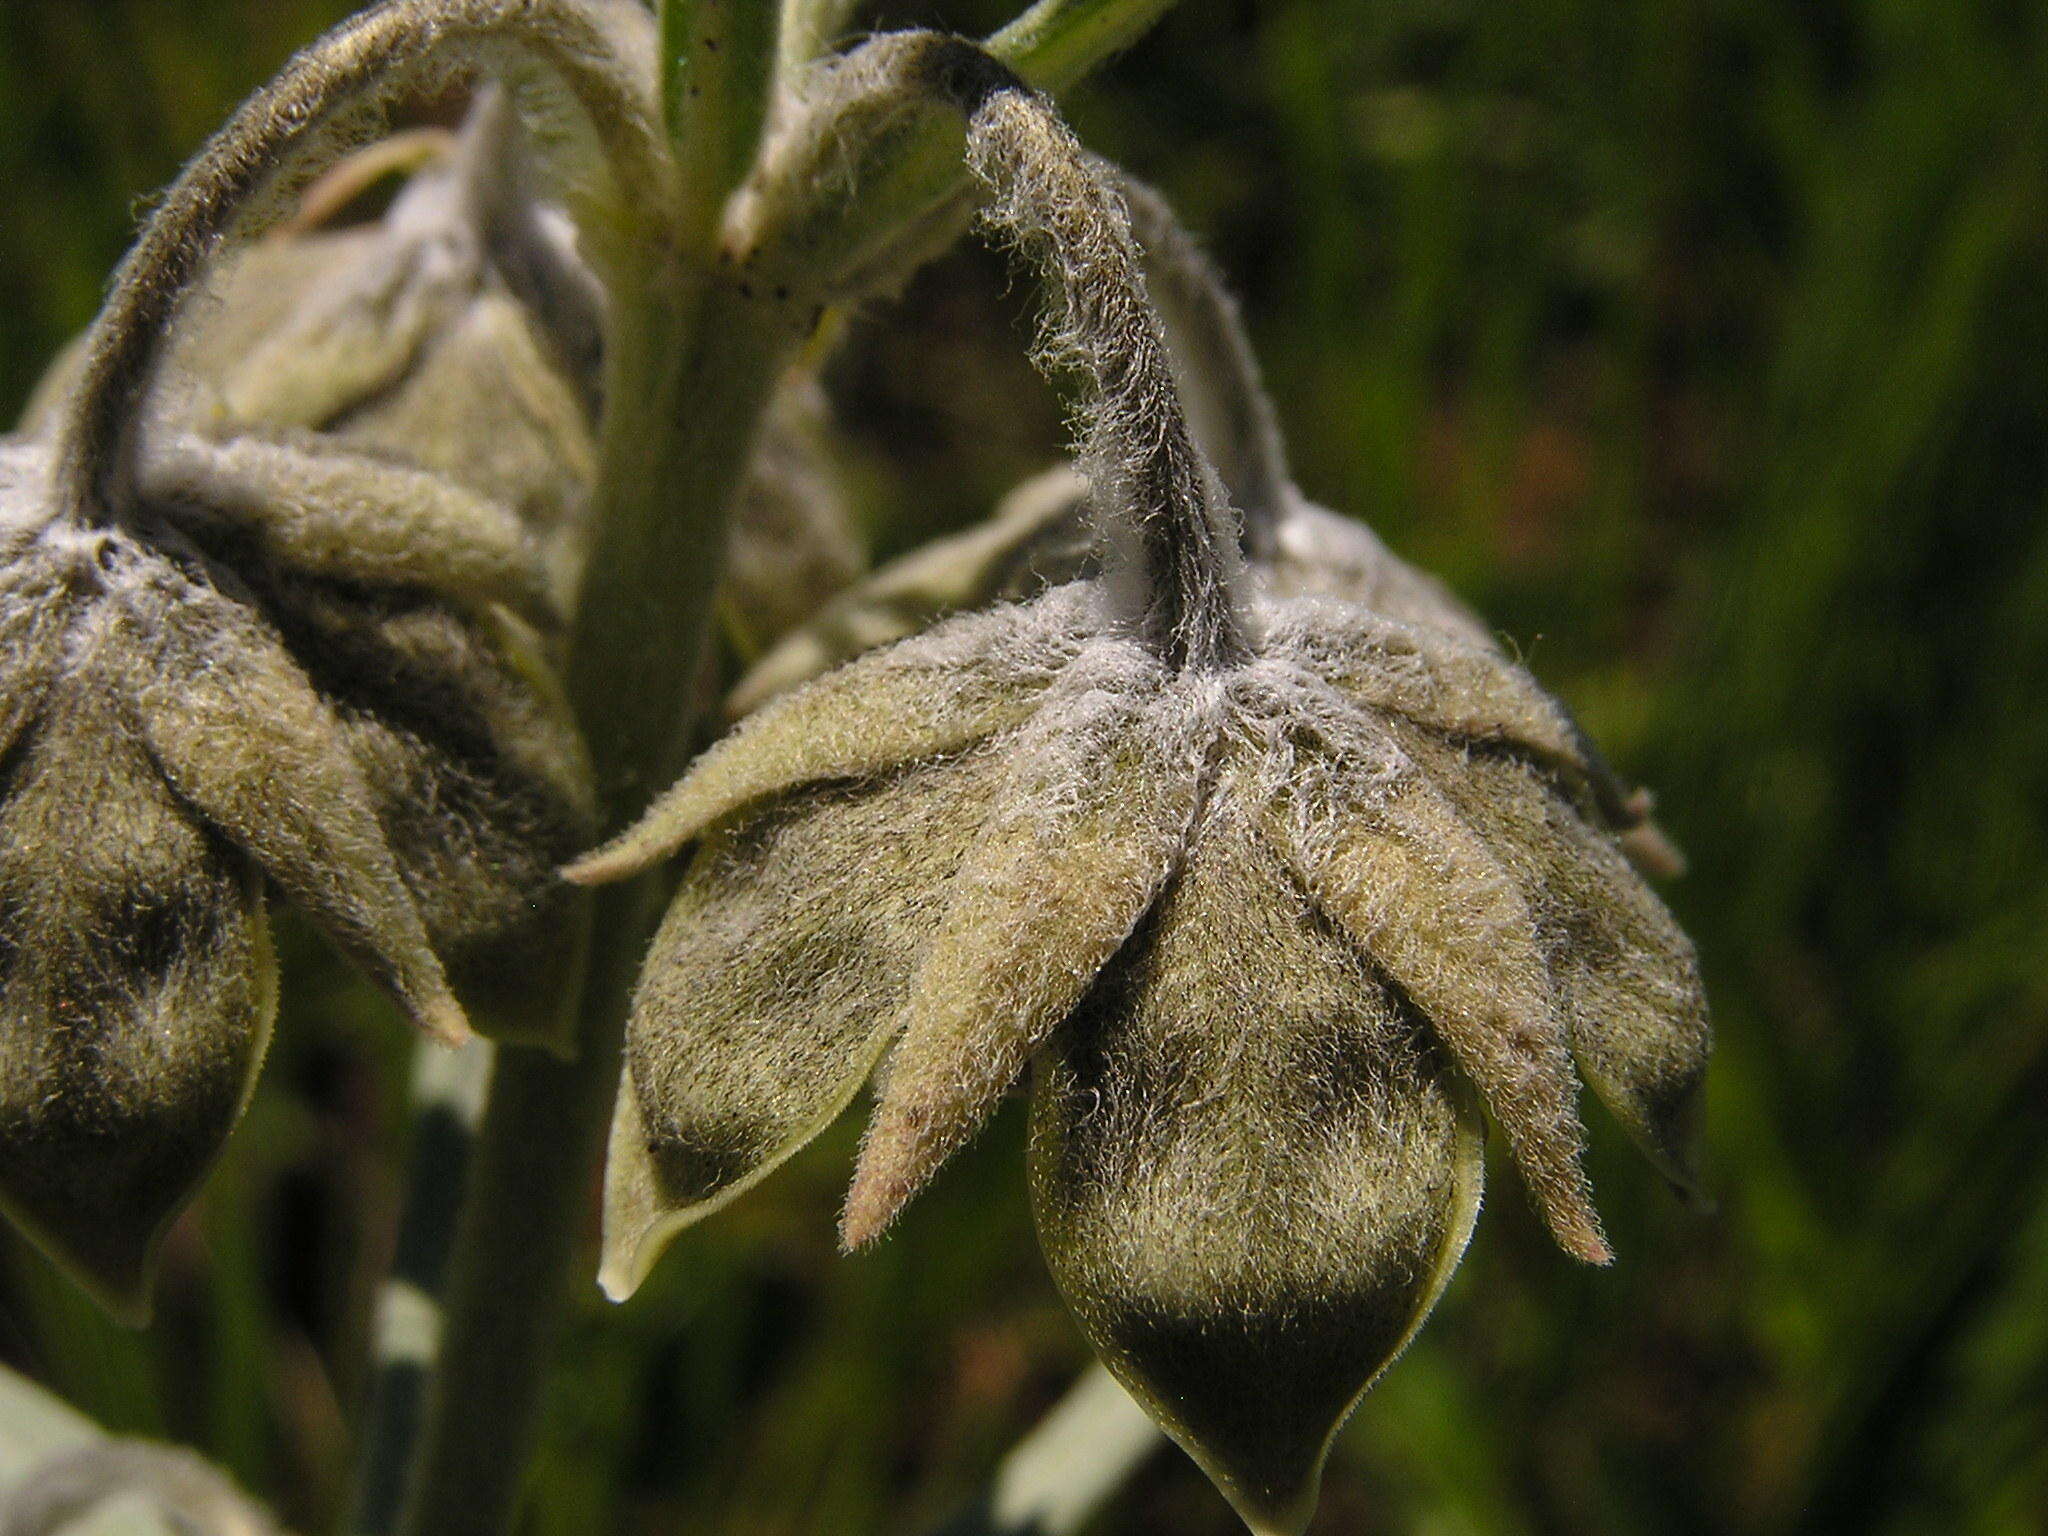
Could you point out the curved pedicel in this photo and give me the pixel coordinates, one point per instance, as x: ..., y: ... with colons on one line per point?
x: 289, y: 129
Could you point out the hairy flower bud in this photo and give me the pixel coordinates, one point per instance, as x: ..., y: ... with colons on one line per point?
x: 399, y: 473
x: 1277, y: 895
x: 162, y: 755
x: 290, y: 616
x: 315, y: 652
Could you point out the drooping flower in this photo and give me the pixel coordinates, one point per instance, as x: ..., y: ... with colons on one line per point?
x: 397, y: 469
x: 1275, y: 895
x: 240, y: 650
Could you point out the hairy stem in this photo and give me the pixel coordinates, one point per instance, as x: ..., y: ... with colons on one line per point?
x: 687, y: 391
x: 1214, y: 365
x: 1165, y: 527
x: 289, y: 130
x: 1172, y: 544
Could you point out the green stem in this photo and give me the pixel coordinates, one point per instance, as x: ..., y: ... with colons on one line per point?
x: 705, y: 376
x: 521, y: 1224
x: 810, y: 28
x: 1058, y: 43
x: 696, y: 344
x: 688, y: 390
x: 446, y: 1104
x: 718, y: 62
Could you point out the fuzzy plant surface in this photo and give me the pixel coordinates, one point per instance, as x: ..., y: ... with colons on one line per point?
x: 1236, y: 835
x: 1044, y: 532
x: 1277, y: 898
x: 280, y: 615
x: 461, y: 333
x: 367, y: 479
x: 313, y: 654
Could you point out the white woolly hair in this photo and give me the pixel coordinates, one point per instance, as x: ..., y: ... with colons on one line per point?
x: 1169, y: 535
x: 1213, y: 365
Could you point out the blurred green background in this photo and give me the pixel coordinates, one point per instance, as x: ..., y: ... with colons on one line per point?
x: 1703, y: 344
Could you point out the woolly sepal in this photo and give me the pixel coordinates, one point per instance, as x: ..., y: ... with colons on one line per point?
x: 772, y: 988
x: 136, y: 987
x: 1057, y: 853
x: 36, y: 596
x: 936, y: 693
x: 1075, y: 847
x: 466, y: 230
x: 478, y: 775
x: 244, y: 741
x: 322, y: 510
x: 1384, y: 852
x: 1626, y: 976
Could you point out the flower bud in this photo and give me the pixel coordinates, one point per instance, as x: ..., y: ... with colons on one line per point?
x: 399, y: 474
x: 162, y: 757
x: 1279, y: 898
x: 311, y: 650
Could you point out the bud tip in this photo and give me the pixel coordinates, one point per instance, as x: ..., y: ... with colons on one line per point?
x: 871, y: 1205
x: 598, y: 867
